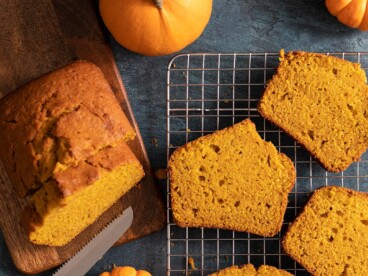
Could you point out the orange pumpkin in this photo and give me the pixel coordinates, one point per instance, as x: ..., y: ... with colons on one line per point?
x: 352, y: 13
x: 126, y: 271
x: 155, y: 27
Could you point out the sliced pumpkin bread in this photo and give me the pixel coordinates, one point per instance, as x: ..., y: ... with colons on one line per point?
x: 322, y: 102
x: 330, y: 236
x: 77, y: 196
x: 231, y: 179
x: 63, y: 144
x: 250, y: 270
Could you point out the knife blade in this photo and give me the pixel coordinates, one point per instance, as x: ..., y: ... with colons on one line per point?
x: 81, y: 262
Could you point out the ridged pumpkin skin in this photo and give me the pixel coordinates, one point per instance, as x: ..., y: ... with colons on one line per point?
x: 126, y: 271
x: 352, y: 13
x: 142, y: 27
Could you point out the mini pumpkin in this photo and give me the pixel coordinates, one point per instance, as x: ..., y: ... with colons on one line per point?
x: 352, y: 13
x: 126, y: 271
x: 155, y: 27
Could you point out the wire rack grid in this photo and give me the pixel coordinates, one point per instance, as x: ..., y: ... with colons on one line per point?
x: 207, y: 92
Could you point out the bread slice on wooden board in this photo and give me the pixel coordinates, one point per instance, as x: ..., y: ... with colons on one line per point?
x: 63, y: 142
x: 250, y: 270
x: 330, y: 235
x: 77, y: 196
x: 322, y: 102
x: 231, y: 179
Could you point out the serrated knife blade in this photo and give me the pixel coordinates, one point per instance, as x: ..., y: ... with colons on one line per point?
x: 81, y: 262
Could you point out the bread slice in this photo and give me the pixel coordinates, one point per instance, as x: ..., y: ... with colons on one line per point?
x: 322, y: 102
x: 77, y: 196
x: 231, y: 179
x: 330, y: 236
x: 249, y: 270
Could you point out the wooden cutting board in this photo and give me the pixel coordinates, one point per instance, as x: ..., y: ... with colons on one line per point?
x: 38, y: 36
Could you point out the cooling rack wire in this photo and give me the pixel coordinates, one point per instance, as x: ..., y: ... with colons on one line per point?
x: 206, y: 92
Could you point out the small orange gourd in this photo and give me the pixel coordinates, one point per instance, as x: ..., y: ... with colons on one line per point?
x: 126, y: 271
x: 155, y: 27
x: 352, y: 13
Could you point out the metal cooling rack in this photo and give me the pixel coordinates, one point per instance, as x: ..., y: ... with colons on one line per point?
x: 206, y: 92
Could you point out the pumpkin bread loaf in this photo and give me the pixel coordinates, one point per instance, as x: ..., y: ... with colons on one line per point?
x: 249, y: 270
x: 63, y: 138
x: 322, y: 102
x: 330, y: 235
x: 56, y: 121
x: 231, y: 179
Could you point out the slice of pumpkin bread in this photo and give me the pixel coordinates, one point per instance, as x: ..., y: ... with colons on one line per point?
x: 250, y: 270
x: 231, y: 179
x: 330, y: 236
x: 322, y: 102
x: 77, y: 196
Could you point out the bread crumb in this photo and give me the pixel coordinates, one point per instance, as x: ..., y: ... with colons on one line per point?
x: 188, y: 130
x: 161, y: 174
x: 154, y: 142
x: 191, y: 263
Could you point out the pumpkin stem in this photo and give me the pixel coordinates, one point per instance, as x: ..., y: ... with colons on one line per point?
x: 159, y: 3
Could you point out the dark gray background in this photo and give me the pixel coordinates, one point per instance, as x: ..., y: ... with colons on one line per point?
x: 235, y: 26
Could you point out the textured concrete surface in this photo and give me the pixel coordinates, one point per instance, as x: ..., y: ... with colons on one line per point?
x: 235, y: 26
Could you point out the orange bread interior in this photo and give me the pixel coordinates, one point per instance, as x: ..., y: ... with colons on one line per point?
x: 231, y: 179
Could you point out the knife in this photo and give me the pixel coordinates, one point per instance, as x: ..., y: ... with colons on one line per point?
x: 81, y: 262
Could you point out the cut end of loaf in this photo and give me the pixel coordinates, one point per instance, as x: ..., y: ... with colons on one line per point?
x: 55, y: 221
x: 231, y: 179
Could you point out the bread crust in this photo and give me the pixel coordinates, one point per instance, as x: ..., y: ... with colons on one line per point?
x: 63, y: 117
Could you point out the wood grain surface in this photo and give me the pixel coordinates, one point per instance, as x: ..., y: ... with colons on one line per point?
x: 45, y: 35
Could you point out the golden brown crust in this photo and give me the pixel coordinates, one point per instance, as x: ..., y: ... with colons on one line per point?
x: 87, y: 172
x: 310, y: 201
x: 30, y: 219
x: 330, y: 166
x: 64, y: 116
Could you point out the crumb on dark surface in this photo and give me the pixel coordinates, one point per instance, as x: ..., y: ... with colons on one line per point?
x: 191, y: 263
x: 154, y: 141
x: 161, y: 174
